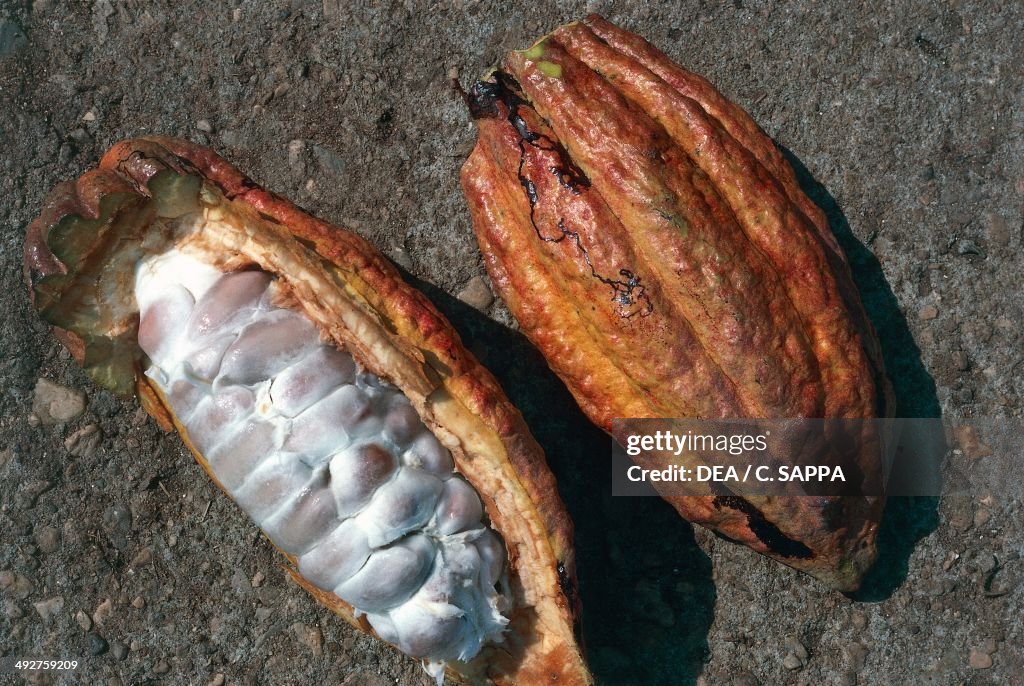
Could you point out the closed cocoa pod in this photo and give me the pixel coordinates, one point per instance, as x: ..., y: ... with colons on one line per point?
x: 309, y: 380
x: 654, y: 244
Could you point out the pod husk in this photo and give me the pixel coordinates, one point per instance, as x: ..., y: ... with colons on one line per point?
x: 79, y: 255
x: 656, y: 247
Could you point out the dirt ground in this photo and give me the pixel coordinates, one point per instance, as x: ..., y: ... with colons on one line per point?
x: 905, y: 120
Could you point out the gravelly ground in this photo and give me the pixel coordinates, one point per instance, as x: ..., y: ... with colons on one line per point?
x: 907, y: 118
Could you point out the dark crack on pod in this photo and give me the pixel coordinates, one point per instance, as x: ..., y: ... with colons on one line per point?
x: 767, y: 532
x: 628, y: 293
x: 568, y: 589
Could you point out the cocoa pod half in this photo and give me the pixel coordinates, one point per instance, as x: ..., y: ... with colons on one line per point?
x: 329, y: 398
x: 654, y: 244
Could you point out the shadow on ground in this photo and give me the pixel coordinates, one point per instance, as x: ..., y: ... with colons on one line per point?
x: 648, y: 598
x: 906, y: 520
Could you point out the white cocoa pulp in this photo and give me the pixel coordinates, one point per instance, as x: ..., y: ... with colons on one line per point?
x: 332, y: 462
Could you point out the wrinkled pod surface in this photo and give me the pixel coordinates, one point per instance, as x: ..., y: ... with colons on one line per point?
x: 654, y: 244
x: 327, y: 398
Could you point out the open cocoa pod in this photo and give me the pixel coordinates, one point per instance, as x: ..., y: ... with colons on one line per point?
x: 329, y: 398
x: 655, y: 246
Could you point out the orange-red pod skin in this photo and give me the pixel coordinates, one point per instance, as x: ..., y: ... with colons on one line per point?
x: 654, y: 244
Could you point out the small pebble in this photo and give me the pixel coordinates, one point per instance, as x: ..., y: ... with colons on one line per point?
x: 118, y: 650
x: 257, y: 579
x: 102, y: 611
x: 241, y: 584
x: 139, y: 602
x: 476, y: 294
x: 979, y: 659
x: 204, y: 126
x: 928, y: 312
x: 49, y: 608
x: 981, y: 517
x: 855, y: 655
x: 959, y: 514
x: 21, y: 587
x: 83, y: 620
x: 217, y: 680
x: 7, y: 578
x: 89, y: 116
x: 47, y: 538
x: 12, y: 610
x: 796, y: 655
x: 796, y: 647
x: 296, y: 149
x: 142, y: 558
x: 161, y: 667
x: 79, y: 136
x: 310, y: 636
x: 971, y: 442
x: 97, y: 644
x: 84, y: 442
x: 54, y: 404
